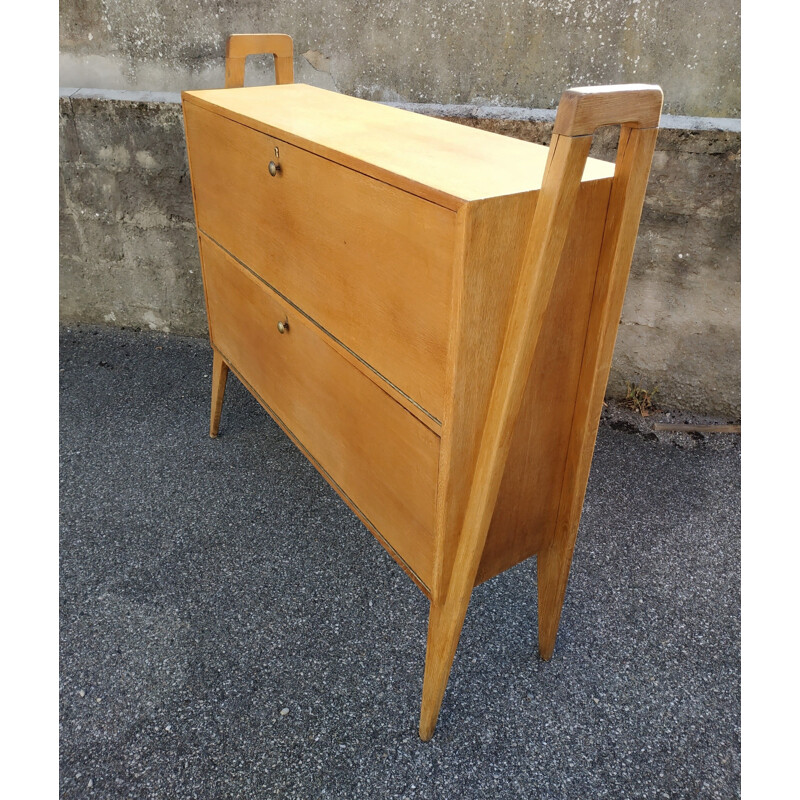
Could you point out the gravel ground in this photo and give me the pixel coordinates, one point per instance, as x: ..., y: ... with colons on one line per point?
x: 230, y: 630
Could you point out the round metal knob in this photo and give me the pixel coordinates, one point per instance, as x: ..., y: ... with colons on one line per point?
x: 274, y: 168
x: 283, y: 327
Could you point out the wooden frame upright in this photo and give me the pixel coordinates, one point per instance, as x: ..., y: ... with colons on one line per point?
x: 637, y: 109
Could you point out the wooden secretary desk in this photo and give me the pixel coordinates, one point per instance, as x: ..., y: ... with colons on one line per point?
x: 428, y: 310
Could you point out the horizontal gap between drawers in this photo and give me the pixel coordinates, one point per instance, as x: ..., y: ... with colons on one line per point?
x: 325, y: 473
x: 324, y: 330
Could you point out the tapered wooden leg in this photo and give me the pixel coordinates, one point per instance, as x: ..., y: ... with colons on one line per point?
x: 565, y: 162
x: 634, y: 155
x: 444, y: 630
x: 552, y: 573
x: 219, y: 378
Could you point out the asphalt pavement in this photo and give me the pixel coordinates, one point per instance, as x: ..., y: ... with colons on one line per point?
x: 229, y: 629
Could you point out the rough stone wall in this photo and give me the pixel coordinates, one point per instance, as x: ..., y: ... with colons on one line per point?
x: 485, y: 52
x: 129, y: 250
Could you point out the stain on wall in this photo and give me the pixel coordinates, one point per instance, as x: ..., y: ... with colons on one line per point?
x: 483, y: 52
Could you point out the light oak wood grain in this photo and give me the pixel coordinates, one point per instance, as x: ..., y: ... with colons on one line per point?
x: 581, y: 111
x: 442, y: 161
x: 219, y: 377
x: 381, y: 457
x: 492, y: 245
x: 370, y: 264
x: 241, y: 45
x: 429, y: 312
x: 528, y: 499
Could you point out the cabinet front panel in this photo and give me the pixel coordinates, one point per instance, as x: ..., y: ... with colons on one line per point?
x: 369, y: 263
x: 383, y: 459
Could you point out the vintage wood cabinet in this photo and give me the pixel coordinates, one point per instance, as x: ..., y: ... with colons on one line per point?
x: 428, y: 310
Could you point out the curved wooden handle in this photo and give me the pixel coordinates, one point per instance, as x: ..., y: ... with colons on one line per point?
x: 241, y: 45
x: 581, y: 111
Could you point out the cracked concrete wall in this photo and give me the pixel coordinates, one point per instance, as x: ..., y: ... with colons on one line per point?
x: 484, y: 52
x: 129, y: 250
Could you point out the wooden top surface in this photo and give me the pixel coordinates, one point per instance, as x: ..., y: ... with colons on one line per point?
x: 442, y: 161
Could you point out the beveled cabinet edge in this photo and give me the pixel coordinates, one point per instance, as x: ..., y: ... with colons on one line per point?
x: 440, y: 526
x: 474, y: 350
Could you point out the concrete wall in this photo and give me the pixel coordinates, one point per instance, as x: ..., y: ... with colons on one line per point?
x: 128, y: 246
x: 484, y: 52
x: 129, y: 251
x: 128, y: 243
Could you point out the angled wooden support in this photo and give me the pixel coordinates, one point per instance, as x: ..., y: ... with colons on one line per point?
x: 219, y: 377
x: 580, y: 112
x: 634, y: 157
x: 241, y: 45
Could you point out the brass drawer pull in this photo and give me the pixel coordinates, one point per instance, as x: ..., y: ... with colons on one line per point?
x: 274, y: 168
x: 283, y: 327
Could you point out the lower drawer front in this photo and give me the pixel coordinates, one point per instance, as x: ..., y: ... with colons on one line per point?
x: 382, y: 458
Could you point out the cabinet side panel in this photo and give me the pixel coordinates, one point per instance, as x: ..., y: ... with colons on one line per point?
x: 527, y: 505
x: 489, y: 255
x: 189, y: 153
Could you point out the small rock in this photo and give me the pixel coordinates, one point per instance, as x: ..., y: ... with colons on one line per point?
x: 284, y: 712
x: 82, y: 693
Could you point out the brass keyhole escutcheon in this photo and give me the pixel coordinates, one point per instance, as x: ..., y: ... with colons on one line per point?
x: 283, y: 326
x: 274, y: 168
